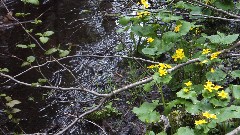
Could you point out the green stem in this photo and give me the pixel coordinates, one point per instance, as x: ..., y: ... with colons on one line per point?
x: 162, y: 97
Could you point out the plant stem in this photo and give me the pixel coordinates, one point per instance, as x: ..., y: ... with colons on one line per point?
x: 162, y: 97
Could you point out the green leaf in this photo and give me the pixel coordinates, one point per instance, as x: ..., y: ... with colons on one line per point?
x: 25, y: 64
x: 63, y: 53
x: 238, y: 5
x: 225, y: 4
x: 163, y: 47
x: 22, y: 46
x: 148, y: 86
x: 146, y: 112
x: 13, y: 103
x: 44, y: 39
x: 162, y: 133
x: 35, y: 84
x: 3, y: 95
x: 15, y: 110
x: 150, y: 133
x: 34, y: 2
x: 185, y: 28
x: 188, y: 95
x: 120, y: 47
x: 217, y: 75
x: 149, y: 51
x: 10, y: 116
x: 222, y: 39
x: 236, y: 91
x: 30, y: 59
x: 4, y: 70
x: 235, y: 74
x: 219, y: 102
x: 184, y: 131
x: 167, y: 17
x: 39, y: 34
x: 42, y: 80
x: 170, y: 36
x: 51, y: 51
x: 8, y: 98
x: 31, y: 45
x: 48, y: 33
x: 124, y: 20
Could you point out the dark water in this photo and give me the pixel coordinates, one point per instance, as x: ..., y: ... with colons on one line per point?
x: 86, y: 27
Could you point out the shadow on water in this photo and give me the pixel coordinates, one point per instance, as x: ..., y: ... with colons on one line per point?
x: 82, y: 25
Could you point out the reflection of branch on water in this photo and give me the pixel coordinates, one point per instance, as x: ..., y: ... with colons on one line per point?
x: 16, y: 23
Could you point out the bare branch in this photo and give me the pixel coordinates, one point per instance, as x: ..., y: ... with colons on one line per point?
x: 236, y: 131
x: 216, y: 9
x: 53, y: 87
x: 82, y: 115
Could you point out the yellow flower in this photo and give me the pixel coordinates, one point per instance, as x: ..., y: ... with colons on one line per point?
x: 162, y: 66
x: 151, y: 66
x: 142, y: 14
x: 186, y: 90
x: 204, y: 61
x: 189, y: 83
x: 162, y: 72
x: 206, y: 51
x: 168, y: 66
x: 197, y: 31
x: 178, y: 55
x: 149, y: 40
x: 208, y: 115
x: 222, y: 94
x: 145, y: 3
x: 199, y: 122
x: 214, y: 55
x: 212, y: 70
x: 139, y: 15
x: 146, y: 13
x: 209, y: 86
x: 177, y: 28
x: 213, y: 116
x: 217, y: 87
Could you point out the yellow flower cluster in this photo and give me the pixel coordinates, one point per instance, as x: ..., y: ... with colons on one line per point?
x: 199, y: 122
x: 177, y: 28
x: 210, y: 86
x: 188, y: 84
x: 206, y: 51
x: 149, y: 40
x: 162, y: 68
x: 144, y: 3
x: 178, y: 55
x: 142, y: 14
x: 214, y: 55
x: 209, y: 115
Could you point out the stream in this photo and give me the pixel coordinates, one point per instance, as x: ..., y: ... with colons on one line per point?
x: 88, y: 29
